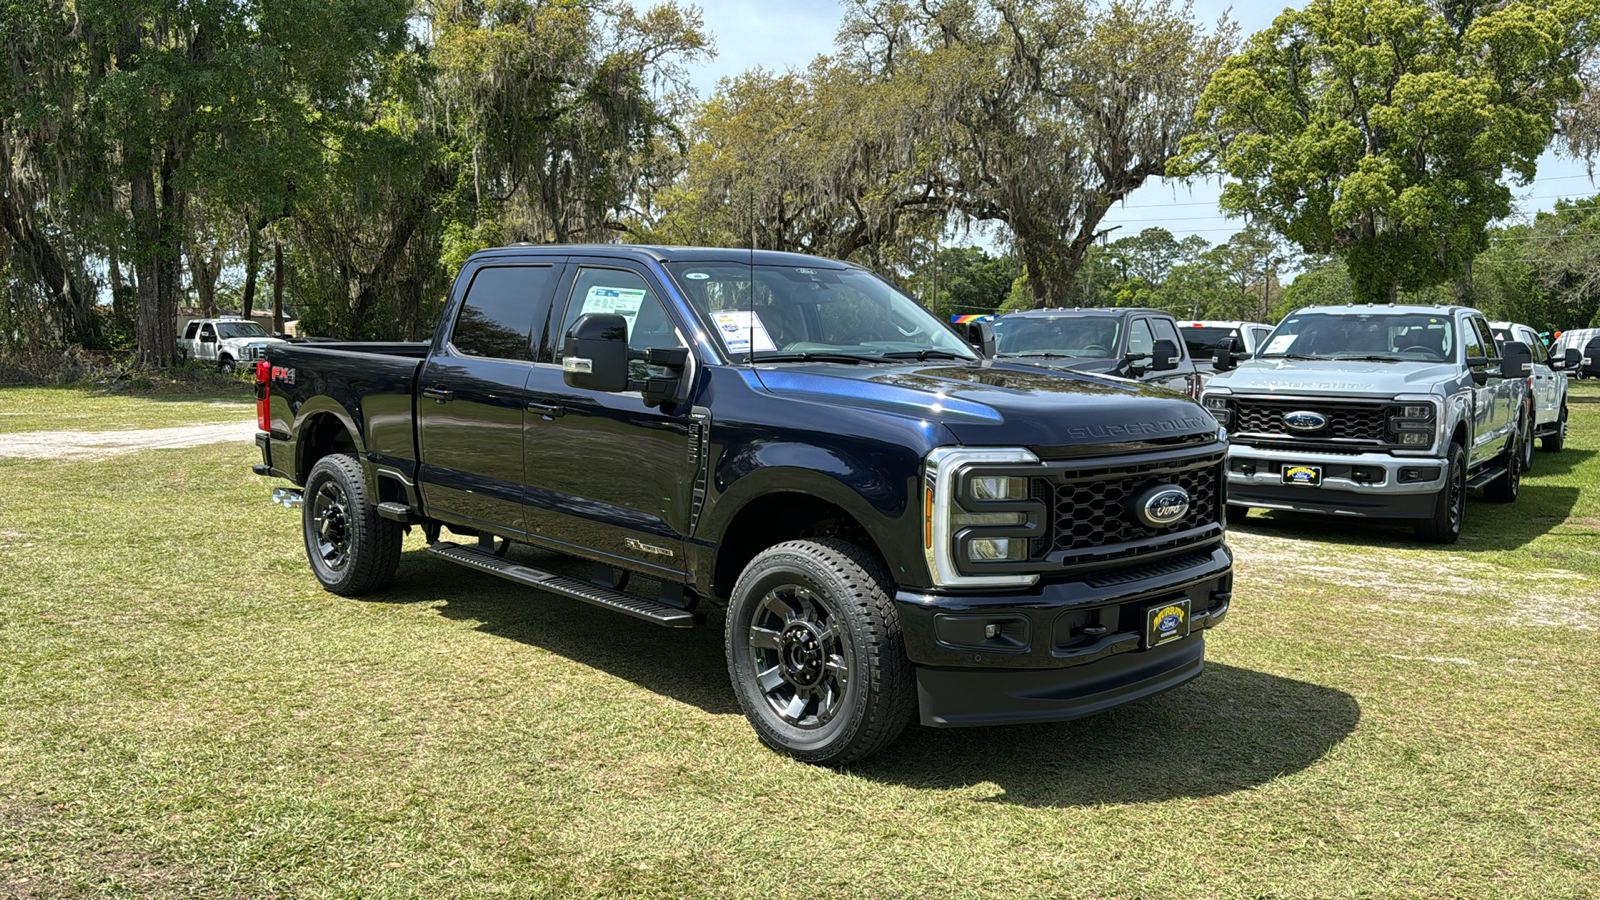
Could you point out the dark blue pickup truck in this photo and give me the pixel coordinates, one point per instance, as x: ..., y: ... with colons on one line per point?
x: 895, y: 525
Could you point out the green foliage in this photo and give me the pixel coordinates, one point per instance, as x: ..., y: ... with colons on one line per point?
x: 971, y: 281
x: 1379, y: 130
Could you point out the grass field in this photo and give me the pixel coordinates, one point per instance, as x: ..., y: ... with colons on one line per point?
x: 183, y: 713
x: 88, y: 409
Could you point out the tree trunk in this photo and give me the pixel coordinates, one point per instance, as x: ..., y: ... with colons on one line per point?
x: 252, y: 265
x: 277, y: 286
x: 152, y: 352
x: 119, y: 310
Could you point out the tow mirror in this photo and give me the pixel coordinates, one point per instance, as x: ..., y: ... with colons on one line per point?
x: 981, y: 336
x: 1515, y: 357
x: 1164, y: 356
x: 1222, y: 358
x: 595, y: 353
x: 208, y: 339
x: 1571, y: 358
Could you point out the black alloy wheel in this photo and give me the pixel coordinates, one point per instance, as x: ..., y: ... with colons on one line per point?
x: 330, y: 519
x: 800, y: 655
x: 1449, y: 504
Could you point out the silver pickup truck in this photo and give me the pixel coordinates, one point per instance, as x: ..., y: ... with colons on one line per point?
x: 1376, y: 411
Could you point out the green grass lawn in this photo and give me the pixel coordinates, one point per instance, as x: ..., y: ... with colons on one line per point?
x: 88, y: 409
x: 183, y: 713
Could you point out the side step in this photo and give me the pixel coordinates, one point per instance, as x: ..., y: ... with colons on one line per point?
x: 1484, y: 477
x: 608, y: 598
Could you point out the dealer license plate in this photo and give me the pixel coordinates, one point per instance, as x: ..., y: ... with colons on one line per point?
x: 1166, y: 622
x: 1310, y: 476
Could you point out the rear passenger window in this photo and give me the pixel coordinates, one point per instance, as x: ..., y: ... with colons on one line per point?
x: 501, y: 308
x: 192, y: 330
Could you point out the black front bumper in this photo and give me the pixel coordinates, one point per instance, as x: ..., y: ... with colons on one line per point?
x: 1063, y: 649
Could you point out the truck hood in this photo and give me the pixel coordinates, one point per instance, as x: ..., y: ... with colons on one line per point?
x: 1097, y: 365
x: 999, y: 403
x: 1327, y: 376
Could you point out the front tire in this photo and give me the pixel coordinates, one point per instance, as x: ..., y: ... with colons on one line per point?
x: 1525, y: 441
x: 1450, y: 504
x: 352, y: 550
x: 225, y: 365
x: 815, y: 652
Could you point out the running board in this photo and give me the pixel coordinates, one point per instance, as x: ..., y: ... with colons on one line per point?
x: 1484, y: 477
x: 604, y: 597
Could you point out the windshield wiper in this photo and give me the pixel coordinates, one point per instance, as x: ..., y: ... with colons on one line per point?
x: 1294, y: 356
x: 926, y: 353
x: 813, y: 356
x: 1037, y: 354
x: 1371, y: 358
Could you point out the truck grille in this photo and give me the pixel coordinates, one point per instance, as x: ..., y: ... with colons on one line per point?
x: 1261, y: 421
x: 1092, y: 517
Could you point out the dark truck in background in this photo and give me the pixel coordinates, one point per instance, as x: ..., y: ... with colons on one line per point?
x: 897, y: 526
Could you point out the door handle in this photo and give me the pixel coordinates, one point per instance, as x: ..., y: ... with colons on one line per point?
x: 553, y: 410
x: 439, y: 394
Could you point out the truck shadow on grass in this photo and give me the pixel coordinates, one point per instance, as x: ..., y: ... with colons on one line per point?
x: 1228, y: 730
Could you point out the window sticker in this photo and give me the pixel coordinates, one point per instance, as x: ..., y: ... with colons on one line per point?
x: 740, y: 328
x: 1280, y: 344
x: 696, y: 276
x: 624, y: 302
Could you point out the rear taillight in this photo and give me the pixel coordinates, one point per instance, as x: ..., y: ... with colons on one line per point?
x: 264, y: 395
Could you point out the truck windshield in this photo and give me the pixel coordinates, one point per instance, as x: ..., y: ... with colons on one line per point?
x: 1088, y: 337
x: 1393, y: 337
x: 240, y: 330
x: 804, y: 312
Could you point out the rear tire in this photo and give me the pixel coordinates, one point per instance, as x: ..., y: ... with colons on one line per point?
x: 1553, y: 442
x: 1507, y: 487
x: 1450, y: 504
x: 1525, y: 439
x: 815, y: 652
x: 352, y: 550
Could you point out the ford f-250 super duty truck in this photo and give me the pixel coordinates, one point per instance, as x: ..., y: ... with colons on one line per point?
x: 1382, y: 411
x: 896, y: 525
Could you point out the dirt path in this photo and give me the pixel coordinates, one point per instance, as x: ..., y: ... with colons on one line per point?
x: 100, y: 444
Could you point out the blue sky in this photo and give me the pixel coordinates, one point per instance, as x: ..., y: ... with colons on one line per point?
x: 783, y: 35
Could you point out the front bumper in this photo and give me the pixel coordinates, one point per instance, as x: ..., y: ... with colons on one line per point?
x: 1062, y: 649
x: 1375, y: 485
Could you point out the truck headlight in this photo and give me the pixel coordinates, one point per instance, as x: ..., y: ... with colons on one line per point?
x: 1217, y: 405
x: 975, y: 518
x: 1412, y: 423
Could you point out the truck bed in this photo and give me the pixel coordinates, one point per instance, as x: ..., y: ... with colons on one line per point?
x: 370, y: 385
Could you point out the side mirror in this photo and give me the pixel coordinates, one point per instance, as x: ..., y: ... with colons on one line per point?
x: 981, y: 336
x: 1164, y: 356
x: 1515, y: 357
x: 1572, y: 358
x: 208, y: 339
x: 595, y: 353
x: 1222, y: 359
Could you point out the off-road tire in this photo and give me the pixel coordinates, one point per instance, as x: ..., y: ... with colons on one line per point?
x: 1553, y: 442
x: 1450, y: 504
x: 1506, y: 488
x: 879, y: 696
x: 372, y: 543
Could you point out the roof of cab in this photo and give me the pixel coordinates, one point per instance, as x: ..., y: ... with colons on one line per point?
x: 1088, y: 310
x: 659, y: 254
x: 1378, y: 308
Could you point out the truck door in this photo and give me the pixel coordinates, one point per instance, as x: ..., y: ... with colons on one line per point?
x: 472, y: 396
x: 206, y: 347
x: 1546, y: 393
x: 1489, y: 399
x: 608, y: 477
x: 1183, y: 377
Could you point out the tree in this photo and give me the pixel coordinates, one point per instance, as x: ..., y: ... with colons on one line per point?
x: 1055, y: 111
x: 972, y: 282
x: 1379, y: 131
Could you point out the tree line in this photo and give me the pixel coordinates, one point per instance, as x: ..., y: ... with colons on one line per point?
x: 337, y: 160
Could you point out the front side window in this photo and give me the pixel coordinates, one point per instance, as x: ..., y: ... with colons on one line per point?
x: 1378, y: 337
x: 779, y: 311
x: 1087, y: 337
x: 207, y: 331
x: 1140, y: 339
x: 1202, y: 341
x: 626, y: 294
x: 1166, y: 332
x: 498, y: 314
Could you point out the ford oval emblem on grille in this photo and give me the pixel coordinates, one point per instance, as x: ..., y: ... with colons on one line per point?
x: 1305, y: 420
x: 1162, y: 505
